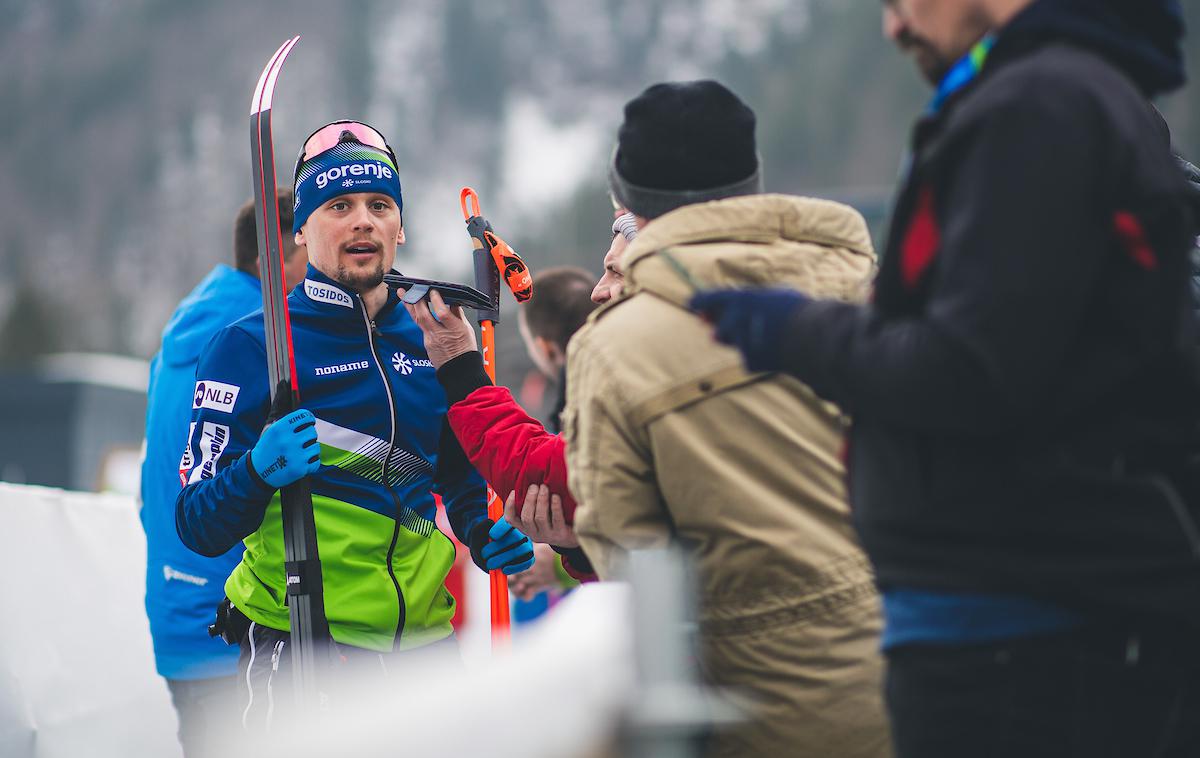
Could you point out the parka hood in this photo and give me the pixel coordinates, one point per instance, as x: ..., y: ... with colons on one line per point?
x: 820, y: 247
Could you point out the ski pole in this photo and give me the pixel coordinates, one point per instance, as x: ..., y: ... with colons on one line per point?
x: 310, y: 642
x: 493, y: 257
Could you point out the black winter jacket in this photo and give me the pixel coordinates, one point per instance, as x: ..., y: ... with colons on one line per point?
x: 1023, y: 386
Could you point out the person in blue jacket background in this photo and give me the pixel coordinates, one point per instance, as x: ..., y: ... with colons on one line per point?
x: 183, y: 588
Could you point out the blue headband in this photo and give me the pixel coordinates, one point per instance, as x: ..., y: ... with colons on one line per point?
x: 344, y: 169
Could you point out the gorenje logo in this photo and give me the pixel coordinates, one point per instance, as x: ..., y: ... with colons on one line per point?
x: 342, y: 368
x: 215, y: 395
x: 326, y: 294
x: 376, y: 169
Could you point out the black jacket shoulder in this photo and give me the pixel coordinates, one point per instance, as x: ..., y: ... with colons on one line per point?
x: 1068, y: 87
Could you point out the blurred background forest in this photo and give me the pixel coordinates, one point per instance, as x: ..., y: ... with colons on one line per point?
x: 124, y: 142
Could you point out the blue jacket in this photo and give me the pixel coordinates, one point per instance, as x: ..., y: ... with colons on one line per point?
x: 386, y: 448
x: 183, y: 588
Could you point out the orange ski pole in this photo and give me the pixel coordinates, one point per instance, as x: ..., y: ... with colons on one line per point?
x: 493, y: 258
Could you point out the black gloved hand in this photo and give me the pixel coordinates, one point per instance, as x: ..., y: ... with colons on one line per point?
x: 499, y: 545
x: 752, y: 320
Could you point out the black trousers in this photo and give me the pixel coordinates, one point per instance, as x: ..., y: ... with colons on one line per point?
x: 1084, y: 694
x: 265, y: 687
x: 206, y: 709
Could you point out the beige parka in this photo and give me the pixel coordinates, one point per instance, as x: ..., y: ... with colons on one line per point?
x: 670, y: 439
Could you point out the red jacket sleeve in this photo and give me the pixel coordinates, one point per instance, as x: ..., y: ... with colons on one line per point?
x: 509, y: 447
x: 577, y: 565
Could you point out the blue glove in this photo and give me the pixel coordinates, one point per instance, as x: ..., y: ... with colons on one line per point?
x: 753, y: 321
x: 287, y: 451
x: 498, y: 545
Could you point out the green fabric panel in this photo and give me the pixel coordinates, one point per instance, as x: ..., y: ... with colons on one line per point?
x: 565, y: 580
x: 360, y: 599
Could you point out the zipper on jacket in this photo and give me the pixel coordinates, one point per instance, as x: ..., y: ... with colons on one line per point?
x: 372, y: 333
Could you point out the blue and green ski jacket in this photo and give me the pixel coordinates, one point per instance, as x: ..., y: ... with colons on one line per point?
x: 386, y: 449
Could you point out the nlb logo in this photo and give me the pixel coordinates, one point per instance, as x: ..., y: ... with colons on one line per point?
x: 325, y: 294
x: 376, y: 169
x: 341, y: 368
x: 217, y: 396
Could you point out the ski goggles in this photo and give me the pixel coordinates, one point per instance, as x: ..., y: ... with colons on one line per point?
x: 333, y: 134
x: 342, y: 158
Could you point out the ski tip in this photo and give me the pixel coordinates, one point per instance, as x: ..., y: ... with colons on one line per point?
x: 265, y: 88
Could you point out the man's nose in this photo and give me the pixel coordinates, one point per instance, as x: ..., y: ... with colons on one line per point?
x: 601, y: 293
x: 362, y: 219
x: 893, y: 23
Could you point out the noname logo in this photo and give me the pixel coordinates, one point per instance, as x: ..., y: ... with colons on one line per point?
x: 404, y: 364
x: 342, y: 368
x: 376, y: 169
x: 215, y: 395
x: 213, y: 439
x: 326, y: 294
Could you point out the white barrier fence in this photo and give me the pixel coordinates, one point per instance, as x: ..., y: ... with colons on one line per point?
x: 76, y: 669
x: 77, y: 672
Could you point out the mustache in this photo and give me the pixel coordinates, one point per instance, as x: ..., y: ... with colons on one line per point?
x: 909, y: 41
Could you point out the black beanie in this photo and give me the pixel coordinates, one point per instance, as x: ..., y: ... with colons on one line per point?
x: 682, y: 143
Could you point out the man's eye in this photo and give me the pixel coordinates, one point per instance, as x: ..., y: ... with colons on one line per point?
x: 379, y: 205
x: 339, y: 206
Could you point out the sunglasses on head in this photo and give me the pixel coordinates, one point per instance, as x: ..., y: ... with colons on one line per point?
x: 332, y: 135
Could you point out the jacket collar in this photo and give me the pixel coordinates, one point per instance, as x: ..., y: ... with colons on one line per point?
x: 962, y: 73
x: 754, y: 218
x: 767, y: 226
x: 326, y: 295
x: 1143, y: 38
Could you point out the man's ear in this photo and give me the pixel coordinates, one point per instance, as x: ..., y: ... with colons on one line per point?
x: 400, y: 236
x: 553, y: 352
x: 299, y: 237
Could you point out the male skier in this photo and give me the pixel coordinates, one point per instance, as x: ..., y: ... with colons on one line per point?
x: 371, y: 437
